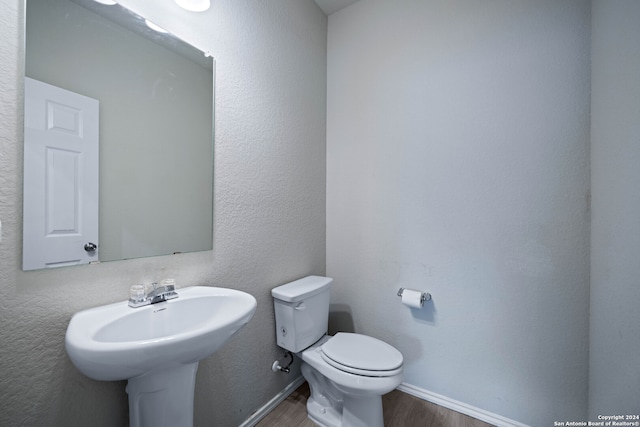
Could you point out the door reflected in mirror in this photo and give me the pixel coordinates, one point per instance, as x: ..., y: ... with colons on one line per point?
x: 154, y: 162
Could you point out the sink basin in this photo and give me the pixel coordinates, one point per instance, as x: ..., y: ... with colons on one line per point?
x: 117, y: 342
x: 157, y: 348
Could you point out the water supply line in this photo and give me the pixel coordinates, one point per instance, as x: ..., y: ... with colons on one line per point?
x: 277, y: 367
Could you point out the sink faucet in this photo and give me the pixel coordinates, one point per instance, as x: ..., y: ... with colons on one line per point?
x: 162, y: 293
x: 139, y: 297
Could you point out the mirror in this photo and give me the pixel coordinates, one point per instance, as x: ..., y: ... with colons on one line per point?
x: 113, y: 105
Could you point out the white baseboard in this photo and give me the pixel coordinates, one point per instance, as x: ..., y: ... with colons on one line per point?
x: 461, y: 407
x: 262, y: 412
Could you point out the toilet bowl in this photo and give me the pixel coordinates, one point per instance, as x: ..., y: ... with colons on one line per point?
x: 340, y: 388
x: 347, y: 373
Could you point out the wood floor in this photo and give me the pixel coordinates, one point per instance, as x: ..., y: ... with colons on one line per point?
x: 400, y: 410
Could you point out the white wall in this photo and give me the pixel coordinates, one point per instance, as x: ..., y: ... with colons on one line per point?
x: 269, y: 217
x: 615, y: 178
x: 458, y: 163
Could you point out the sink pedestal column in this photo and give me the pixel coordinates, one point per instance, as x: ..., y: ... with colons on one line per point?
x: 163, y: 398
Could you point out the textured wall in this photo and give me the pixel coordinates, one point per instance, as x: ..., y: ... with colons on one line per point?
x: 458, y: 163
x: 269, y: 217
x: 614, y: 382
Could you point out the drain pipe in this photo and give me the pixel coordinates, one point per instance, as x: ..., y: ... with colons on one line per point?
x: 277, y: 367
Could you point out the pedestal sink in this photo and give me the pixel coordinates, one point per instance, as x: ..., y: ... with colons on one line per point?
x: 157, y: 348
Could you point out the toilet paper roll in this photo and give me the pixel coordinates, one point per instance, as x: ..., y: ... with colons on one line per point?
x: 412, y: 298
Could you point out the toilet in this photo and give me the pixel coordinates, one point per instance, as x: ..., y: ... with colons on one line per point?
x: 347, y: 373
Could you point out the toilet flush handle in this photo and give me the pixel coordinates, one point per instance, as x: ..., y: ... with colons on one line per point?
x: 300, y: 306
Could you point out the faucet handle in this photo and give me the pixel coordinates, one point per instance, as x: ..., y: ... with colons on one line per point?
x: 168, y: 284
x: 137, y: 292
x: 138, y: 296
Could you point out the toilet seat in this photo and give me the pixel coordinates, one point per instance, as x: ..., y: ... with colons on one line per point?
x: 362, y: 355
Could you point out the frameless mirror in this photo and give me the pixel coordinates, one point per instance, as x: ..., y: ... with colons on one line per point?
x: 118, y: 137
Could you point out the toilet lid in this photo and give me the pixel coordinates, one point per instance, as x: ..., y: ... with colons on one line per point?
x: 362, y: 355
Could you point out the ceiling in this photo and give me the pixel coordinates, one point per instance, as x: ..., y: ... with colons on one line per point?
x: 332, y: 6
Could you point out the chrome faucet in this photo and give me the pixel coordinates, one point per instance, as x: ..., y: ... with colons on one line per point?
x: 162, y: 293
x: 139, y: 297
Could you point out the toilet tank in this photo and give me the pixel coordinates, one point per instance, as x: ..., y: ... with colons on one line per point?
x: 302, y: 312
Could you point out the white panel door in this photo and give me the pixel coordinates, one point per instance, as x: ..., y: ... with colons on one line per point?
x: 60, y: 224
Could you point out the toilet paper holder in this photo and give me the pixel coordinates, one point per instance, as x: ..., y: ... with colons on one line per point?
x: 424, y: 297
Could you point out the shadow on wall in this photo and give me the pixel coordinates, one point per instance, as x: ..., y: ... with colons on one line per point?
x: 340, y: 319
x: 426, y: 314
